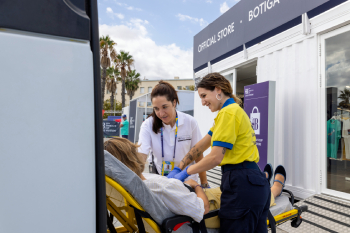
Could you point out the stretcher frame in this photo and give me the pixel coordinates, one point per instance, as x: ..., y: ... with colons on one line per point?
x: 134, y: 213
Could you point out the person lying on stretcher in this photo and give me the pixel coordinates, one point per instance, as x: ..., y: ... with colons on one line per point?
x: 176, y: 197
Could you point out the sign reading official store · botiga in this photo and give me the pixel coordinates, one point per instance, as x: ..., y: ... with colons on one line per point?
x: 245, y: 21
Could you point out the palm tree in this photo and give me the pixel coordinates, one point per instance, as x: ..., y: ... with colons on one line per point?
x: 111, y: 83
x: 132, y: 82
x: 123, y: 62
x: 345, y: 96
x: 107, y: 53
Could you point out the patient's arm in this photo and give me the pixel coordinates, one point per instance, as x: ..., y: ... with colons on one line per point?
x: 200, y: 193
x: 179, y: 199
x: 202, y: 175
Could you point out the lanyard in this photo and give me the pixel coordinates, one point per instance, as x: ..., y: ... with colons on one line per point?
x: 161, y: 136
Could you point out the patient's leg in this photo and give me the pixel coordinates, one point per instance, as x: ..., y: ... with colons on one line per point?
x: 277, y: 187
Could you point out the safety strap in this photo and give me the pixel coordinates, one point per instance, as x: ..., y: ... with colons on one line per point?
x: 139, y: 214
x: 110, y: 224
x: 140, y: 223
x: 202, y: 227
x: 272, y: 222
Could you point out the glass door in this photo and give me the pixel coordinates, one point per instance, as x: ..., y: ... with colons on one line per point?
x: 335, y: 70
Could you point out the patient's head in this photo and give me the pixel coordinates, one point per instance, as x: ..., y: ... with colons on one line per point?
x: 126, y: 152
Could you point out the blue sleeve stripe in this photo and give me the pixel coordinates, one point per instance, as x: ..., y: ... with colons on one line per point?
x: 210, y: 133
x: 223, y: 144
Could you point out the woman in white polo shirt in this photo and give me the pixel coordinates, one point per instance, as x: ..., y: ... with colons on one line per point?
x: 168, y: 133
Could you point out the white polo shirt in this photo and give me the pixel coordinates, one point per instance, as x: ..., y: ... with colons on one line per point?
x: 188, y: 135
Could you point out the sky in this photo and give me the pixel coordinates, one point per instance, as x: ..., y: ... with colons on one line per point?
x: 338, y: 62
x: 159, y: 33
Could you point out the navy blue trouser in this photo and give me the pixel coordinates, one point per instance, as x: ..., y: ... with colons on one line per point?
x: 125, y: 136
x: 245, y: 201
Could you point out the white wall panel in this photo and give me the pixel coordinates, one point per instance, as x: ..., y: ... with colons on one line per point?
x: 294, y: 68
x: 202, y: 114
x: 47, y: 135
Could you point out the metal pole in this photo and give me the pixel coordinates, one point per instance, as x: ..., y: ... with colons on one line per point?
x: 101, y: 208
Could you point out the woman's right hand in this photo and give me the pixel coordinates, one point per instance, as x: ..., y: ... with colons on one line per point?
x: 182, y: 175
x: 174, y: 172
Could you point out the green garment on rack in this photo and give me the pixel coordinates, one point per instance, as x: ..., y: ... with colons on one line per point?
x: 333, y: 137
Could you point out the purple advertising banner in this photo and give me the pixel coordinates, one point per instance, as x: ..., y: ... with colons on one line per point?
x: 256, y: 105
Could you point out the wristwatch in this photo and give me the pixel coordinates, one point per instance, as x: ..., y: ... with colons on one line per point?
x: 205, y: 185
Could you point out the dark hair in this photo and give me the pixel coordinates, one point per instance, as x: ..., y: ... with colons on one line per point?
x: 162, y: 89
x: 212, y: 80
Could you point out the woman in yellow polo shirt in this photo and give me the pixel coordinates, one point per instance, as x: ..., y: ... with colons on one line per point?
x: 245, y: 198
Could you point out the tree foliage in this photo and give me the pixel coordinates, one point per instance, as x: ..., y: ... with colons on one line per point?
x: 111, y: 82
x: 107, y: 105
x: 123, y: 62
x: 345, y: 97
x: 132, y: 82
x: 107, y: 54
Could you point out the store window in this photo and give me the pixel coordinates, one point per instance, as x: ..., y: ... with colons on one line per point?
x: 179, y: 87
x: 149, y: 89
x: 149, y: 104
x: 142, y: 104
x: 337, y: 74
x: 142, y: 90
x: 187, y: 87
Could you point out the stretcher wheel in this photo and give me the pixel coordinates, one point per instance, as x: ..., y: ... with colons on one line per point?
x: 296, y: 222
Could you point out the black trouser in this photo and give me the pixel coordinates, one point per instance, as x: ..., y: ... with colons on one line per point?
x: 245, y: 201
x: 125, y: 136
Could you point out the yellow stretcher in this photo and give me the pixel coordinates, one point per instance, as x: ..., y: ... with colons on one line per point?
x: 128, y: 198
x: 123, y: 206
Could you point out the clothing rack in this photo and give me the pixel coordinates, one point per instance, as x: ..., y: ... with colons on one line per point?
x: 341, y: 115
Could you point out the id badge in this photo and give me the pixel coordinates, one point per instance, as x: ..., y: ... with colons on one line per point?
x: 167, y: 167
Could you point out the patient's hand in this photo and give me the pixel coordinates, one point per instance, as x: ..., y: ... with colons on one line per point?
x: 191, y: 183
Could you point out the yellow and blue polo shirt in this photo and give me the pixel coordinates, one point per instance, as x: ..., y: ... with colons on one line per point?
x: 232, y: 130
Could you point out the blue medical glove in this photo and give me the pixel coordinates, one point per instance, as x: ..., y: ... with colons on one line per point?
x: 182, y: 175
x: 175, y: 171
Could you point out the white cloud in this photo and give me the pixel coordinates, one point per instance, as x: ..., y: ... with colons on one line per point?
x: 209, y: 1
x: 224, y: 7
x: 112, y: 14
x: 131, y: 8
x: 200, y: 21
x: 151, y: 60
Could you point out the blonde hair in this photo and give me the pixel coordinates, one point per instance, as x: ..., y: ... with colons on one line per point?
x: 212, y: 80
x: 126, y: 152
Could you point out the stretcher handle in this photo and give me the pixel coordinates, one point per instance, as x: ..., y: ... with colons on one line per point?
x: 291, y: 199
x: 303, y: 208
